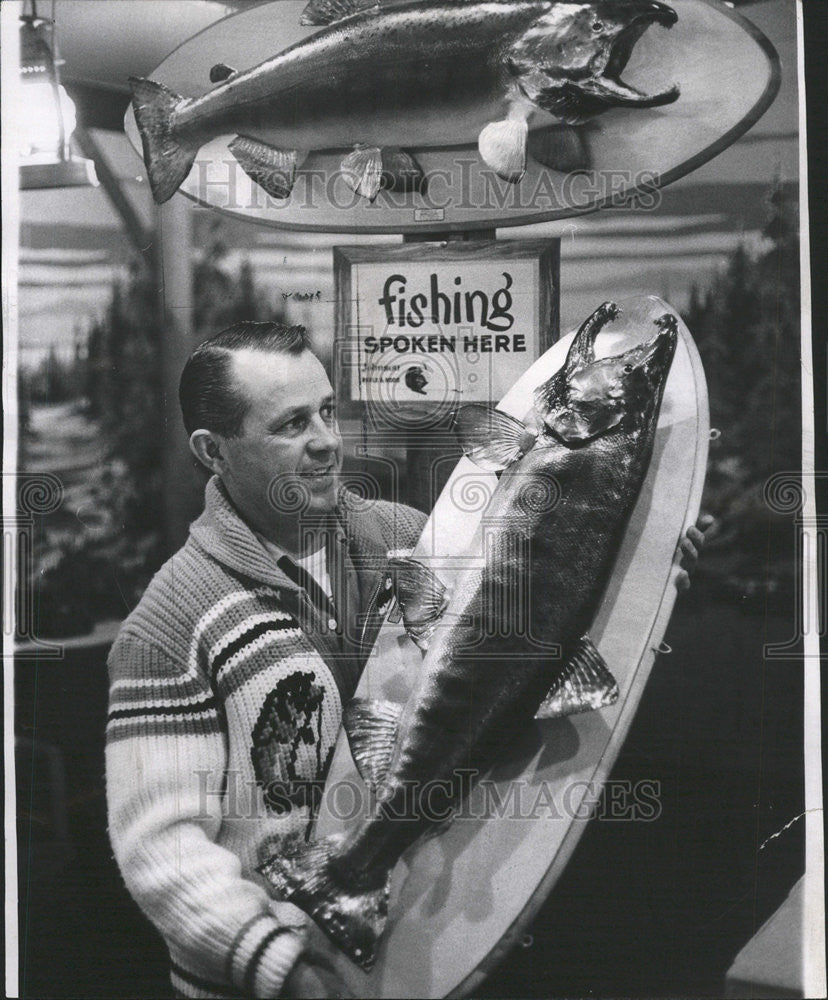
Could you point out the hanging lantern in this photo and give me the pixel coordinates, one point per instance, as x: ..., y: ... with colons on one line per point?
x: 46, y: 157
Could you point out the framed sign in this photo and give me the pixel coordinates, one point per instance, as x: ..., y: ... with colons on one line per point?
x: 428, y: 326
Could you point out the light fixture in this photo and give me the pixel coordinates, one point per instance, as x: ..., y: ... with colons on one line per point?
x: 46, y: 156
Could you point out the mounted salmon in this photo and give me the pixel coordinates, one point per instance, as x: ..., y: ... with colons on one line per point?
x: 384, y: 77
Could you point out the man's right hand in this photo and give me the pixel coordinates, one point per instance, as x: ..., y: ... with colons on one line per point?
x: 313, y: 974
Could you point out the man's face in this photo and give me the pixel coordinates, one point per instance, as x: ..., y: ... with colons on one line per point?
x: 290, y: 444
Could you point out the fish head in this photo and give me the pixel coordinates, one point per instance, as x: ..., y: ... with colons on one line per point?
x: 570, y: 60
x: 594, y: 397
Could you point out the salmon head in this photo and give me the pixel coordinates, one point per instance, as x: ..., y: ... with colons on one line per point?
x: 570, y: 60
x: 588, y: 398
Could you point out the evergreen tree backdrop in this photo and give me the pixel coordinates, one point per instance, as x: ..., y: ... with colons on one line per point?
x: 747, y: 327
x: 118, y: 384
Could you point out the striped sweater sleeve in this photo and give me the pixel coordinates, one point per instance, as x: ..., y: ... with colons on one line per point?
x: 165, y: 733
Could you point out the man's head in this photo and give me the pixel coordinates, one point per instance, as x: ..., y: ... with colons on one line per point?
x: 259, y: 410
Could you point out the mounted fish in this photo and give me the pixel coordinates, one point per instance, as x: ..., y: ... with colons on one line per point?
x: 397, y: 74
x: 571, y: 474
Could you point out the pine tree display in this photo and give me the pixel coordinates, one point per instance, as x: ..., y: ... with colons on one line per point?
x: 747, y: 327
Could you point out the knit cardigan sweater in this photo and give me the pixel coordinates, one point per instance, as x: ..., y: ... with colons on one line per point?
x: 226, y: 693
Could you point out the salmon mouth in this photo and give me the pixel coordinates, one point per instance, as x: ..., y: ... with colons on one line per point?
x: 610, y: 86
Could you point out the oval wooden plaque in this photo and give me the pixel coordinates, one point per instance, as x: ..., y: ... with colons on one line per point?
x: 727, y: 69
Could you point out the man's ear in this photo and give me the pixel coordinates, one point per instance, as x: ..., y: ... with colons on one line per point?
x: 206, y: 448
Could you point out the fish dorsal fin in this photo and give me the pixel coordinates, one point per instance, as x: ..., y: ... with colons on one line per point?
x: 421, y: 595
x: 327, y: 11
x: 584, y: 684
x: 221, y: 72
x: 371, y: 726
x: 491, y: 438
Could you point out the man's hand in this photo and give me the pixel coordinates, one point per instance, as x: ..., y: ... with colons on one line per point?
x: 313, y: 974
x: 690, y: 547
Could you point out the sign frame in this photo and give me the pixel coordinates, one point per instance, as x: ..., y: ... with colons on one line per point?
x: 545, y: 252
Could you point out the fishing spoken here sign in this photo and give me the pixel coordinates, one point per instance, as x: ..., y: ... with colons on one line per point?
x: 442, y: 323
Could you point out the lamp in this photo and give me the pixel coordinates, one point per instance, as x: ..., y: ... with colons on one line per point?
x: 46, y: 157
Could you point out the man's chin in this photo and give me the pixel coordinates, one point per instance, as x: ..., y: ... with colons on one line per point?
x: 322, y: 494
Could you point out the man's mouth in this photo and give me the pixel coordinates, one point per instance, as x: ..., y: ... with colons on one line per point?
x: 321, y: 472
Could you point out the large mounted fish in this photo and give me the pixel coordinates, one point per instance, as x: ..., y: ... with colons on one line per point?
x: 349, y: 113
x: 390, y: 74
x: 459, y: 899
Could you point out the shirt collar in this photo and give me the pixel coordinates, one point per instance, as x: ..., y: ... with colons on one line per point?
x: 222, y: 533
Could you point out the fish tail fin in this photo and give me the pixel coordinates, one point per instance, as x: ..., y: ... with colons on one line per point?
x: 167, y: 156
x: 351, y: 914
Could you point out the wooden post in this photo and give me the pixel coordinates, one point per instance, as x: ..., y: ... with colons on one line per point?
x: 183, y: 489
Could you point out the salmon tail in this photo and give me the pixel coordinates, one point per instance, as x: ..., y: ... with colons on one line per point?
x: 352, y: 915
x: 168, y: 157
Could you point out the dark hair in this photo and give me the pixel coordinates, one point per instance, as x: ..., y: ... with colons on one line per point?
x: 208, y: 396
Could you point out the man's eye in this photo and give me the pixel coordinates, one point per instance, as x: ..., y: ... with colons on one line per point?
x: 328, y: 412
x: 292, y: 426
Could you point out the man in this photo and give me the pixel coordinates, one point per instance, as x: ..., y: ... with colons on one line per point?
x: 228, y: 679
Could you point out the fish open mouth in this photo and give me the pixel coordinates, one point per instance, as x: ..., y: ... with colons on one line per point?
x: 609, y: 86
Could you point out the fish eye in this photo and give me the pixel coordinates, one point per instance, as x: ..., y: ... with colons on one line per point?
x: 628, y: 369
x: 598, y: 26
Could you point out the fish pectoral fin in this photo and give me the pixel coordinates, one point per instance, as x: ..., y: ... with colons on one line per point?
x: 328, y: 11
x: 492, y: 439
x: 502, y: 147
x: 421, y: 595
x: 371, y: 726
x: 272, y: 169
x: 221, y: 72
x: 585, y: 683
x: 560, y: 147
x: 362, y: 171
x: 352, y: 914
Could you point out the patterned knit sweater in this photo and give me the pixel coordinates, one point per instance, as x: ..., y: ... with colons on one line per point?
x: 226, y: 692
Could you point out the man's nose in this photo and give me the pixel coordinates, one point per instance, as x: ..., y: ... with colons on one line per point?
x: 324, y: 436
